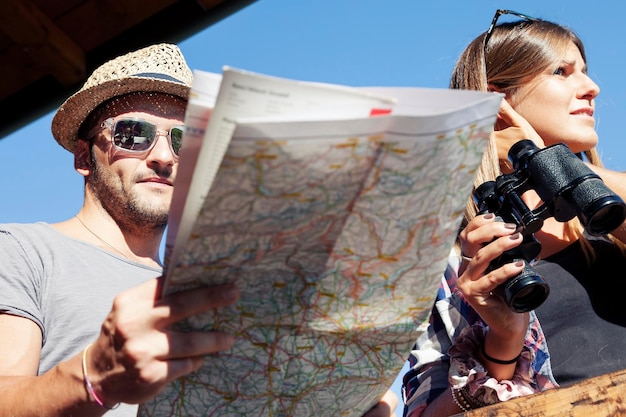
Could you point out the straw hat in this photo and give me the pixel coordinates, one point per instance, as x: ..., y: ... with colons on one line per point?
x: 159, y: 68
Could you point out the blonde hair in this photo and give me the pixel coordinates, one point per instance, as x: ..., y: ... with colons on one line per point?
x: 516, y: 53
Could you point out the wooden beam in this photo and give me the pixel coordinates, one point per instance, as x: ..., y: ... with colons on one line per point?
x: 209, y: 4
x: 601, y: 396
x: 92, y: 23
x: 38, y: 37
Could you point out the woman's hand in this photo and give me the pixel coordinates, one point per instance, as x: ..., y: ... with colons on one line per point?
x: 483, y: 240
x: 510, y: 128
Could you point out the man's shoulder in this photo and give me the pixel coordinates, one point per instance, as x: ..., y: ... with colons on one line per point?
x: 30, y: 235
x: 27, y: 229
x: 24, y: 226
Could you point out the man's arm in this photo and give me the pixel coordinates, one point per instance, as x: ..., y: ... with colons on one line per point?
x: 133, y: 359
x: 22, y: 392
x: 20, y: 346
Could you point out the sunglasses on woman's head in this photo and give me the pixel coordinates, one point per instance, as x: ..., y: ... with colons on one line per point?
x: 499, y: 13
x: 138, y: 136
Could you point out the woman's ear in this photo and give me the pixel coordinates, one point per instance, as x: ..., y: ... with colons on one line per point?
x: 82, y: 157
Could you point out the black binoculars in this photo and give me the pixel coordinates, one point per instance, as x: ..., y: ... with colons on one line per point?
x: 567, y: 188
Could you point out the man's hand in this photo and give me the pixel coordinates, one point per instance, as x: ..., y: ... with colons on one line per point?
x: 137, y: 354
x: 385, y: 407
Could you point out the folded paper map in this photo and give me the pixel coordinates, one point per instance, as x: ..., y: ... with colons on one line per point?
x: 334, y: 210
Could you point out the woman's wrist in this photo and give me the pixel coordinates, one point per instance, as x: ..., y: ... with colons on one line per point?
x: 479, y: 382
x: 489, y: 358
x: 503, y: 346
x: 499, y: 355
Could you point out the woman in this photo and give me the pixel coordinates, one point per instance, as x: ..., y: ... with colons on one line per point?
x: 477, y: 351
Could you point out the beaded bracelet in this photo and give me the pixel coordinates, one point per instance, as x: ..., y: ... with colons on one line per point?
x: 460, y: 401
x: 472, y: 401
x: 90, y: 390
x: 498, y: 361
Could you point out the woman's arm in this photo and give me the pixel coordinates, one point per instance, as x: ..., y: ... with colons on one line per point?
x: 431, y: 388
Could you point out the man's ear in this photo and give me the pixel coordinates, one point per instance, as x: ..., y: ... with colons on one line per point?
x: 82, y: 157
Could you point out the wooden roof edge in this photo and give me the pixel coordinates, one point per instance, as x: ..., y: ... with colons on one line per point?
x: 44, y: 96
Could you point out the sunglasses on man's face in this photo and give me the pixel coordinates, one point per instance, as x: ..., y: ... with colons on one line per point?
x: 138, y: 135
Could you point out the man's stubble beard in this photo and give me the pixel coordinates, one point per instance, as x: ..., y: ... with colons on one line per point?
x: 128, y: 210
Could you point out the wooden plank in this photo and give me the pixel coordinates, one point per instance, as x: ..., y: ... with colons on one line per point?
x: 209, y: 4
x: 94, y: 22
x: 601, y: 396
x: 16, y: 78
x: 38, y: 37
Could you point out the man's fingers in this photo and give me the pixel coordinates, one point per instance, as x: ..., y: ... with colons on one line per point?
x: 166, y: 345
x: 177, y: 306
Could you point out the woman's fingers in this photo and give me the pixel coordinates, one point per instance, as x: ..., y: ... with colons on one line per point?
x: 482, y: 230
x: 483, y: 279
x: 511, y: 127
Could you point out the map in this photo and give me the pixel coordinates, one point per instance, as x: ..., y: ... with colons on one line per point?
x: 336, y: 233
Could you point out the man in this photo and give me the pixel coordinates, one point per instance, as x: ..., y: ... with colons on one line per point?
x: 65, y: 348
x: 82, y: 326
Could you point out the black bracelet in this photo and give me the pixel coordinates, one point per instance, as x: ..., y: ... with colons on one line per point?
x: 498, y: 361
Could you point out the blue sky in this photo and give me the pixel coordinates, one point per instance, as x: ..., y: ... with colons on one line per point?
x: 352, y: 42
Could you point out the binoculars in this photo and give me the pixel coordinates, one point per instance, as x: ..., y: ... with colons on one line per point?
x: 567, y: 188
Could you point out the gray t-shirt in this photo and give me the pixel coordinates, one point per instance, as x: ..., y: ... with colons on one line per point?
x: 65, y: 286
